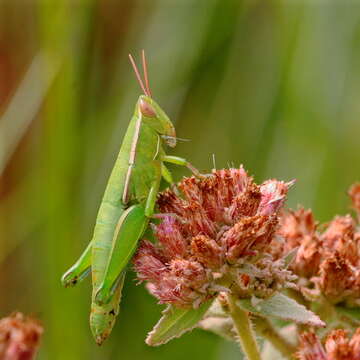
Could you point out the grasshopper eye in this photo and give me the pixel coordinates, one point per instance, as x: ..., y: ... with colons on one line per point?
x: 146, y: 109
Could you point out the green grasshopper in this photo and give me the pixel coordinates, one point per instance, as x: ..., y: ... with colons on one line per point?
x: 127, y: 205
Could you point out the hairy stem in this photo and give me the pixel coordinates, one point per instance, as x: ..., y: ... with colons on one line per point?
x: 264, y: 327
x: 244, y: 329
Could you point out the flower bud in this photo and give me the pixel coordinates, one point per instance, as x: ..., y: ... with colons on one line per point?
x: 273, y: 194
x: 19, y: 337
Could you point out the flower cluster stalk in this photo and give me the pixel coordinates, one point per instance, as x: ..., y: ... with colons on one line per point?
x: 243, y: 326
x: 264, y: 328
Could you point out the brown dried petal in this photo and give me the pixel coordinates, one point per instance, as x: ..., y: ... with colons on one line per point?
x: 355, y: 345
x: 245, y: 204
x: 249, y: 234
x: 206, y: 251
x: 308, y: 258
x: 294, y: 225
x: 169, y: 202
x: 310, y: 348
x: 337, y: 346
x: 149, y: 263
x: 171, y: 238
x: 192, y: 191
x: 189, y: 273
x: 336, y: 278
x: 199, y: 222
x: 340, y: 227
x: 170, y: 290
x: 348, y: 248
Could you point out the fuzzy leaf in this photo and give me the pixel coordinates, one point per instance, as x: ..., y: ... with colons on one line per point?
x: 174, y: 323
x: 283, y: 307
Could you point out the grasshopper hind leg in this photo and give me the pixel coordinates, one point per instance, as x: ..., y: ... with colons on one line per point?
x: 130, y: 228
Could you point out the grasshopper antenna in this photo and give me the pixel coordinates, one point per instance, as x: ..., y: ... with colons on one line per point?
x: 144, y: 65
x: 174, y: 137
x: 214, y: 162
x: 138, y: 75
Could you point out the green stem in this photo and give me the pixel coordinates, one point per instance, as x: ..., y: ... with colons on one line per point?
x: 264, y: 327
x: 244, y: 329
x: 326, y: 311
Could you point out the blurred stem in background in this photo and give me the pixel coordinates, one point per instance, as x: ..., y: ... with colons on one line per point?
x: 61, y: 25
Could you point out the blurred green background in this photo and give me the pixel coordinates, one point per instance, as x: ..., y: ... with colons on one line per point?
x: 270, y: 84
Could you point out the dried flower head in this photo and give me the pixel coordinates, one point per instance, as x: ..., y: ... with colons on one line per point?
x: 298, y: 228
x: 337, y: 278
x: 328, y: 261
x: 340, y: 228
x: 219, y: 223
x: 354, y: 193
x: 19, y: 337
x: 338, y: 346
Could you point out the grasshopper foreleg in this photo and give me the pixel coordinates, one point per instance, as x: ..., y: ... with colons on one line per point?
x: 183, y: 162
x: 80, y: 270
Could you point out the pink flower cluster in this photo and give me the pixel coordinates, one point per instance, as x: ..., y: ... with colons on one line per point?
x: 219, y: 222
x: 337, y: 346
x: 328, y: 260
x: 19, y: 337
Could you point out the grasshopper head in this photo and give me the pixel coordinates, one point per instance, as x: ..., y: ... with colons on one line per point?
x: 150, y: 111
x: 156, y: 118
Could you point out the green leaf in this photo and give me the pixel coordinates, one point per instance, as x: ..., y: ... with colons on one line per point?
x: 175, y: 322
x: 351, y: 313
x: 283, y: 307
